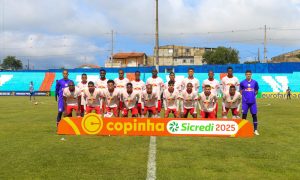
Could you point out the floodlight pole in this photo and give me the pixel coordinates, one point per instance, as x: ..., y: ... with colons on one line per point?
x: 156, y: 37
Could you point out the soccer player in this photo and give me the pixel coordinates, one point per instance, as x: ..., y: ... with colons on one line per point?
x: 207, y: 103
x: 231, y: 100
x: 101, y: 83
x: 288, y: 93
x: 149, y: 101
x: 92, y: 98
x: 121, y: 81
x: 177, y: 84
x: 249, y: 89
x: 72, y: 99
x: 214, y: 85
x: 138, y: 87
x: 120, y: 84
x: 158, y: 86
x: 189, y: 98
x: 60, y: 85
x: 111, y: 98
x: 31, y: 91
x: 191, y: 79
x: 229, y: 80
x: 130, y: 99
x: 82, y: 86
x: 171, y: 100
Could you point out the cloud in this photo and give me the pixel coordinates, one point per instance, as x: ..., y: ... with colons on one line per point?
x: 52, y: 51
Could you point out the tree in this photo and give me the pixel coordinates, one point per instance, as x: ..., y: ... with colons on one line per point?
x: 251, y: 62
x: 221, y: 55
x: 10, y: 62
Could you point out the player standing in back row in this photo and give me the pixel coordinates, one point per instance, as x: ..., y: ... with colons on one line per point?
x: 157, y: 86
x: 138, y: 86
x: 82, y: 86
x: 214, y: 85
x: 249, y: 89
x: 177, y: 84
x: 191, y: 79
x: 229, y: 80
x: 120, y: 84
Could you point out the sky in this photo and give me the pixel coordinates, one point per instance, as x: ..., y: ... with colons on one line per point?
x: 68, y: 33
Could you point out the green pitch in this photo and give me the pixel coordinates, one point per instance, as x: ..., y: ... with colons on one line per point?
x: 30, y: 148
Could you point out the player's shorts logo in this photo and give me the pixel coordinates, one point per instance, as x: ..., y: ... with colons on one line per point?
x: 92, y: 123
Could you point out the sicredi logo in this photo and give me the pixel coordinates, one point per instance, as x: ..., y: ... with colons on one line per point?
x: 202, y: 127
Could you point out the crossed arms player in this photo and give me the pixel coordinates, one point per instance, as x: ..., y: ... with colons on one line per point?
x: 171, y: 100
x: 207, y: 103
x: 231, y: 101
x: 189, y: 99
x: 130, y: 99
x: 72, y: 100
x: 149, y: 102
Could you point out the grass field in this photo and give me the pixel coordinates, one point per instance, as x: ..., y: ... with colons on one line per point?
x: 30, y: 148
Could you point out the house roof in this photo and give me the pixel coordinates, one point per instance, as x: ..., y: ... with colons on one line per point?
x: 89, y: 66
x: 128, y: 55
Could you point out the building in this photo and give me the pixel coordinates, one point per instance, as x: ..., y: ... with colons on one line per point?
x: 293, y: 56
x: 172, y: 55
x: 131, y: 59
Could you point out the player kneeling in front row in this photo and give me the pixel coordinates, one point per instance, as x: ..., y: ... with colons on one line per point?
x: 149, y: 102
x: 72, y: 100
x: 171, y: 100
x: 189, y: 99
x: 207, y: 103
x: 130, y: 100
x: 111, y: 98
x: 92, y: 98
x: 231, y: 100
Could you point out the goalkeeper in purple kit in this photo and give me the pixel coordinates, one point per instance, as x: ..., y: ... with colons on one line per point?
x: 249, y: 89
x: 60, y: 85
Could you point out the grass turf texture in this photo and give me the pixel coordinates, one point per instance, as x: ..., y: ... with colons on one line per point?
x: 30, y: 149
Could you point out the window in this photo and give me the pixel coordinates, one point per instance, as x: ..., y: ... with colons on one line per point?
x: 184, y: 61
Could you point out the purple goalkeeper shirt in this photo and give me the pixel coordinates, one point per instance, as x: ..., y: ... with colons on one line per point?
x: 248, y: 89
x: 61, y: 84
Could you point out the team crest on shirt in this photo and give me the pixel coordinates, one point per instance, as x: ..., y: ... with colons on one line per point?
x: 189, y: 98
x: 249, y: 85
x: 91, y: 100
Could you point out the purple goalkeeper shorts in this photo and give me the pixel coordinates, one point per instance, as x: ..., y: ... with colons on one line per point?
x: 60, y: 105
x: 251, y: 106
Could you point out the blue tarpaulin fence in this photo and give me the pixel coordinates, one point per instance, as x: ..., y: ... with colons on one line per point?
x: 288, y: 67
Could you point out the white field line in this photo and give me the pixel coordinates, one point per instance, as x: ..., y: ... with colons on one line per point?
x: 151, y: 167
